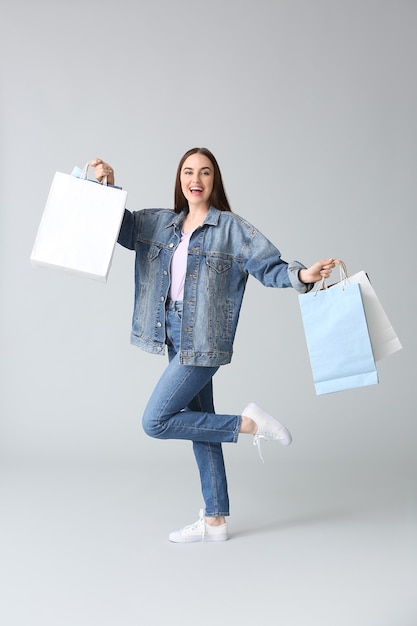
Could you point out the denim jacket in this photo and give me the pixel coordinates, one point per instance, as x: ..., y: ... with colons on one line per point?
x: 221, y: 255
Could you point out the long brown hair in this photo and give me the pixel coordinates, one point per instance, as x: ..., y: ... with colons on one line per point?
x: 218, y: 197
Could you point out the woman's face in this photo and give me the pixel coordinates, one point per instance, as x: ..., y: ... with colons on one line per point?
x: 197, y: 179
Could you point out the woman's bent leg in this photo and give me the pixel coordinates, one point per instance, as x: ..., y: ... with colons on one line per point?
x: 167, y: 414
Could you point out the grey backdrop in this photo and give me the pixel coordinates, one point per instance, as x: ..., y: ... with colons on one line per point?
x: 310, y: 108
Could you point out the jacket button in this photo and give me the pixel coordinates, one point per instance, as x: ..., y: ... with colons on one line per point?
x: 162, y: 298
x: 171, y: 245
x: 159, y: 324
x: 165, y: 273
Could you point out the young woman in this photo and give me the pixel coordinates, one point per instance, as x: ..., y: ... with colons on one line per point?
x: 192, y: 265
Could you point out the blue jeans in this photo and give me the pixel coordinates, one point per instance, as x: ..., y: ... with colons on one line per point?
x: 181, y: 407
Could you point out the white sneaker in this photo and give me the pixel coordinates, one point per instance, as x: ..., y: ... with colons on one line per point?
x: 269, y: 428
x: 200, y: 531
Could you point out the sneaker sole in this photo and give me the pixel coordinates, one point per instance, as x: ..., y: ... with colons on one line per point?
x: 198, y: 539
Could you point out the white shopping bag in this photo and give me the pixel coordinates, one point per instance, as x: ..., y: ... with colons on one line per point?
x: 383, y: 337
x: 79, y: 226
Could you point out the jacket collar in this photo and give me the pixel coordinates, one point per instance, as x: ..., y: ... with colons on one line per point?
x: 212, y: 217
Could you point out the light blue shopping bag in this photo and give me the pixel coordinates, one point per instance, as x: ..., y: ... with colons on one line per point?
x: 337, y: 338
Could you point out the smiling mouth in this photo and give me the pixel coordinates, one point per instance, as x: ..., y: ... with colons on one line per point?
x: 196, y: 189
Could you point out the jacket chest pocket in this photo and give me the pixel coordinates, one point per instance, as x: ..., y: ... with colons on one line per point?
x: 150, y: 266
x: 153, y: 252
x: 218, y: 273
x: 219, y: 264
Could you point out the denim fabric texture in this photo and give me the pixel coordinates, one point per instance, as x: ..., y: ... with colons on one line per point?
x: 181, y: 407
x: 222, y: 253
x: 199, y: 331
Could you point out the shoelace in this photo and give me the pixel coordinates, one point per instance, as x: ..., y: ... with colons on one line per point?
x: 201, y: 522
x: 257, y: 441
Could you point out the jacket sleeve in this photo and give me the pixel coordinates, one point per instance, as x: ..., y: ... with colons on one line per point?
x: 128, y: 231
x: 263, y: 261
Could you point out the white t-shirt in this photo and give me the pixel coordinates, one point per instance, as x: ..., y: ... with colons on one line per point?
x: 179, y: 268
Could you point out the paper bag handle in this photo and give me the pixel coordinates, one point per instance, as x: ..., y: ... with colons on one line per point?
x: 343, y: 276
x: 83, y: 176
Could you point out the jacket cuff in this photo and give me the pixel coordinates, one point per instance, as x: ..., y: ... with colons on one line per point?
x: 293, y: 268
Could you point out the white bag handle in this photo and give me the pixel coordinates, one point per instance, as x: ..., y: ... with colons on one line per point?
x: 83, y: 176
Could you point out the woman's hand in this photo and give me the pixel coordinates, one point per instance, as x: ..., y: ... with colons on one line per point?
x: 102, y: 169
x: 318, y: 271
